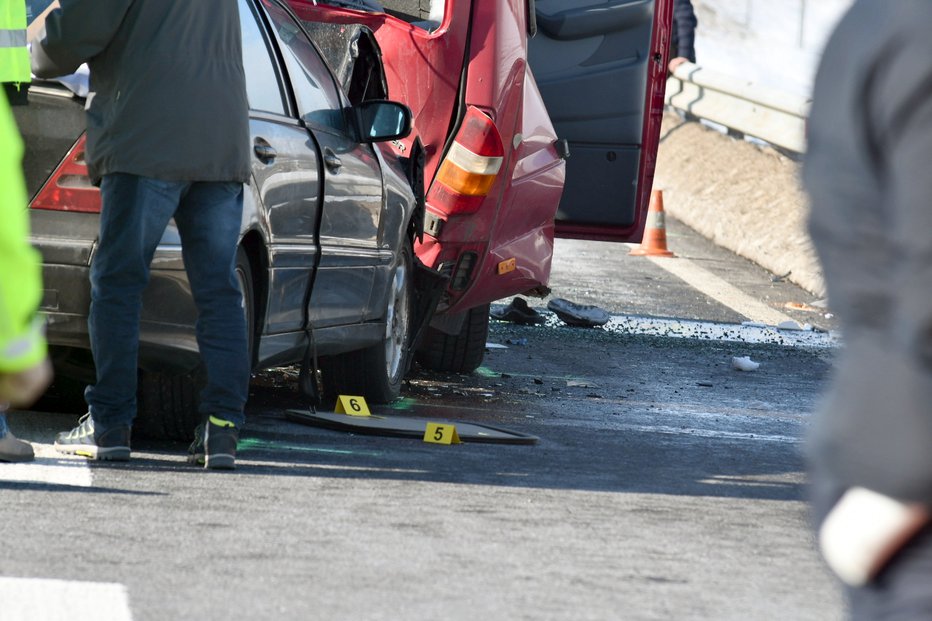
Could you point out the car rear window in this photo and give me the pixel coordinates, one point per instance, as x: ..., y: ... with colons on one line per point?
x: 262, y: 87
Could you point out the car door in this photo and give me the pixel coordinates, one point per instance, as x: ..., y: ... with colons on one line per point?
x: 352, y: 183
x: 286, y: 181
x: 600, y: 66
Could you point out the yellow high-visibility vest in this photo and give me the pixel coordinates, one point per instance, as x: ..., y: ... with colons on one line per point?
x: 14, y: 57
x: 22, y: 340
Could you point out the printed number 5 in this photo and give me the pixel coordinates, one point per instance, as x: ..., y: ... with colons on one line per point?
x: 438, y: 433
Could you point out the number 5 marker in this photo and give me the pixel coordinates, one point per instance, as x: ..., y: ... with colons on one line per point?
x: 441, y: 433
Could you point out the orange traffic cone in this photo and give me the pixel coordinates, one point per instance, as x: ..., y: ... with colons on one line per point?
x: 654, y: 243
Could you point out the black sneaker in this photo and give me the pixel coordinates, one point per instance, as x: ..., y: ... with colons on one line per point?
x: 214, y: 445
x: 519, y: 312
x: 83, y: 440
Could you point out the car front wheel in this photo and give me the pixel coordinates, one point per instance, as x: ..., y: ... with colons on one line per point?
x: 376, y: 372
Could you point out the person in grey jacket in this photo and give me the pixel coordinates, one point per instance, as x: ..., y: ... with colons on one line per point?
x: 867, y: 175
x: 167, y: 136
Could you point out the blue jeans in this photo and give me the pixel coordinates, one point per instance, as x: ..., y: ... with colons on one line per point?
x: 135, y: 212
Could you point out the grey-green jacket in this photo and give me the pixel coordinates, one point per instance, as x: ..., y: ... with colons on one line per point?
x: 168, y: 93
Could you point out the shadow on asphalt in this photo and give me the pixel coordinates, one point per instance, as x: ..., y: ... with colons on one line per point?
x: 565, y: 459
x: 614, y: 414
x: 33, y: 486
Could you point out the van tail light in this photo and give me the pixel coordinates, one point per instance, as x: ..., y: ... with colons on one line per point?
x: 69, y: 188
x: 470, y: 167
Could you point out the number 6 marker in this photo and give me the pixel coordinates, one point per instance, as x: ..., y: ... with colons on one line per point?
x: 352, y: 405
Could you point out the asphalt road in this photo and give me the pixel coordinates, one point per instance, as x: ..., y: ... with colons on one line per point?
x: 665, y: 484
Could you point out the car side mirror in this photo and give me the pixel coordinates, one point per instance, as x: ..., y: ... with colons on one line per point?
x: 382, y: 120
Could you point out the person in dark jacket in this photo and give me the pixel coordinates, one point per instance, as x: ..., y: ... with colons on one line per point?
x: 867, y: 174
x: 683, y: 36
x: 167, y: 137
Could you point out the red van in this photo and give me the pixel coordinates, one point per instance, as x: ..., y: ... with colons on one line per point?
x: 533, y: 118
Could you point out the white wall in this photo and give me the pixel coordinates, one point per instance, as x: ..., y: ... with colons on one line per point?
x: 772, y: 42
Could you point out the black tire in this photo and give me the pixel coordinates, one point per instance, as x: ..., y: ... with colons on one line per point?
x: 167, y: 404
x: 246, y: 284
x: 457, y: 353
x: 377, y: 372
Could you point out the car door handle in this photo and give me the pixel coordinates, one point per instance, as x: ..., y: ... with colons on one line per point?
x: 264, y: 151
x: 332, y: 162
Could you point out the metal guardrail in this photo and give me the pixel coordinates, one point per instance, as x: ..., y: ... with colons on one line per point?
x: 760, y: 112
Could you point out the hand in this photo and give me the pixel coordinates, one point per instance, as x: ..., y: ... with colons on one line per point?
x: 864, y: 530
x: 676, y: 62
x: 23, y: 388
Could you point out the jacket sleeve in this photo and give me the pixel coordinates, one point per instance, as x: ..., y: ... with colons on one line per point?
x: 22, y: 342
x: 685, y: 22
x: 875, y: 428
x: 75, y: 33
x: 901, y: 107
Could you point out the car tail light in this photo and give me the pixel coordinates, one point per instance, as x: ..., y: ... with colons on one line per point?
x: 469, y: 168
x: 69, y: 188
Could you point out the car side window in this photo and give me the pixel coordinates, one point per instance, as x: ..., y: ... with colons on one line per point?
x: 319, y: 101
x: 262, y: 87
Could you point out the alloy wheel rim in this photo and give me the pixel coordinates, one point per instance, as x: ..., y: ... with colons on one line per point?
x: 396, y: 322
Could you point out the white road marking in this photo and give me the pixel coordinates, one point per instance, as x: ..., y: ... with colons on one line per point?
x: 711, y: 285
x: 783, y: 480
x: 32, y: 599
x: 50, y: 467
x: 709, y: 433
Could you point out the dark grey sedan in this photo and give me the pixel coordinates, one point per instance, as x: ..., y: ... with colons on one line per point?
x: 325, y: 258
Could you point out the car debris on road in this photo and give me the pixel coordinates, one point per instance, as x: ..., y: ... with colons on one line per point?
x: 582, y: 315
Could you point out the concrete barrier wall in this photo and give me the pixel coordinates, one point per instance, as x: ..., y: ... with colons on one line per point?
x: 770, y: 115
x: 744, y: 197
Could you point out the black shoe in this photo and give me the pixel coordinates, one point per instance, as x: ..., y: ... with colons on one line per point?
x: 518, y: 312
x: 84, y: 440
x: 214, y: 445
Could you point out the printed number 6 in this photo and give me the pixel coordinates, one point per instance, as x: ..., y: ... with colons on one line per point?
x: 355, y: 405
x: 438, y: 433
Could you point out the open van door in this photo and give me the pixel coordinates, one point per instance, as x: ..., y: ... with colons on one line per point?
x: 600, y: 66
